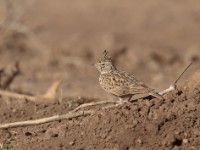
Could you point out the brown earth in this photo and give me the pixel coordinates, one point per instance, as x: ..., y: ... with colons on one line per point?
x: 154, y: 40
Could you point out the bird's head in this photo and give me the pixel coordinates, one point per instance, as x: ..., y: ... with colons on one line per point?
x: 105, y: 64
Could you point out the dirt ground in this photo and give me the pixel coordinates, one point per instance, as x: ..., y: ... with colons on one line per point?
x: 154, y: 40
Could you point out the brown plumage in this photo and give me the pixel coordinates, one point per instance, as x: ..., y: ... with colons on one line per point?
x: 120, y: 83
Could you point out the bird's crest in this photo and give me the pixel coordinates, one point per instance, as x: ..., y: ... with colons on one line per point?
x: 105, y: 57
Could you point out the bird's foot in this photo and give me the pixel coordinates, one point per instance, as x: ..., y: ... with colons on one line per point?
x: 121, y: 101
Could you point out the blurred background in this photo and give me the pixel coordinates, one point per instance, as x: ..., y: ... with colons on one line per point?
x: 153, y: 40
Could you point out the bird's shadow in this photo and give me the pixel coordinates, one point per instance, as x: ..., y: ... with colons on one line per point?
x: 147, y: 98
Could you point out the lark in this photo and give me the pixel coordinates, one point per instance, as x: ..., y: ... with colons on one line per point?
x: 120, y: 83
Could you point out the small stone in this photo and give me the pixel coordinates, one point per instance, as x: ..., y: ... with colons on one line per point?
x: 52, y: 133
x: 71, y: 143
x: 185, y: 141
x: 14, y: 110
x: 135, y: 122
x: 177, y: 132
x: 139, y: 141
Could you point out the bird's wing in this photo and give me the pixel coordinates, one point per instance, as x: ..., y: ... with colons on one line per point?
x: 129, y: 77
x: 113, y: 83
x: 131, y: 85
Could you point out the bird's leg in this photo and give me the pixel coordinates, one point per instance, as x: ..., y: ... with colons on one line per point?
x: 157, y: 96
x: 121, y: 100
x: 130, y: 98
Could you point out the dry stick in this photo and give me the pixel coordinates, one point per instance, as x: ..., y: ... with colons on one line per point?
x: 93, y: 104
x: 50, y: 93
x: 173, y: 86
x: 69, y: 115
x: 16, y: 95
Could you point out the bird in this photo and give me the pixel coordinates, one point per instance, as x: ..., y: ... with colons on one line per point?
x: 121, y: 83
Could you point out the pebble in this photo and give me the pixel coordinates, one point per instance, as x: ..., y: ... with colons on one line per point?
x: 71, y: 143
x: 185, y: 141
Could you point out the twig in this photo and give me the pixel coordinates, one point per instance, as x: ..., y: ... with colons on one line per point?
x: 52, y: 90
x: 94, y: 103
x: 50, y: 93
x: 182, y: 73
x: 16, y: 95
x: 173, y: 86
x: 69, y: 115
